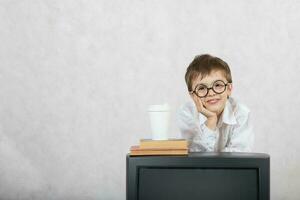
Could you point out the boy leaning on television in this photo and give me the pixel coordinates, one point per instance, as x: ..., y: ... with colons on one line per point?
x: 213, y: 120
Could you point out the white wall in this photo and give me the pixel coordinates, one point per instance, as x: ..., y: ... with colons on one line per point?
x: 76, y: 78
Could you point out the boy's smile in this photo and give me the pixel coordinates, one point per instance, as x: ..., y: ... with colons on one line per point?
x: 212, y: 101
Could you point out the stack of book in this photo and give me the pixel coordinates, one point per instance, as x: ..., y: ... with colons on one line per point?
x: 160, y: 147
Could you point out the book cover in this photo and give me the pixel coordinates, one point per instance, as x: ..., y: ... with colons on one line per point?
x: 163, y: 144
x: 136, y: 150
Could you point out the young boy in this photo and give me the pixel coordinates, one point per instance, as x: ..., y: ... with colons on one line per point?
x: 213, y: 121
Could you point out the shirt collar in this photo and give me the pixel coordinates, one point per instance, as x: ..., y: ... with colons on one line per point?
x: 227, y: 116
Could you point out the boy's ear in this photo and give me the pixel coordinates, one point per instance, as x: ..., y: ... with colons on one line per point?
x: 230, y: 87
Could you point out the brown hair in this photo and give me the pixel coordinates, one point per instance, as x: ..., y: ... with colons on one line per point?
x: 203, y: 65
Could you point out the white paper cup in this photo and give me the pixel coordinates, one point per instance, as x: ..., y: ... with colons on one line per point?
x: 159, y: 121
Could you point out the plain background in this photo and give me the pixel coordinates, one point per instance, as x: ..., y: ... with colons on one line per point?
x: 76, y: 78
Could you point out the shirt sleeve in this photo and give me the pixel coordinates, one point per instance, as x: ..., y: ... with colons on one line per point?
x: 242, y: 137
x: 199, y: 137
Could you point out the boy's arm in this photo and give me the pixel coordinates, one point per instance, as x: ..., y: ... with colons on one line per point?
x: 242, y: 137
x: 199, y: 136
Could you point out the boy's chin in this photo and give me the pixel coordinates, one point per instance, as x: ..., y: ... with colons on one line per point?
x: 215, y: 109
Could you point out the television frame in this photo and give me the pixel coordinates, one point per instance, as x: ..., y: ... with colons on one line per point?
x: 205, y: 160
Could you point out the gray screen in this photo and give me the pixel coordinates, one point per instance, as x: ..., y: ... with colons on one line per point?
x: 197, y: 184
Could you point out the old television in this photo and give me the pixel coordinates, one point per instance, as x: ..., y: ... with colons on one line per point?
x: 199, y: 176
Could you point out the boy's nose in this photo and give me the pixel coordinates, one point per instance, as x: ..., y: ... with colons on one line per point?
x: 211, y: 92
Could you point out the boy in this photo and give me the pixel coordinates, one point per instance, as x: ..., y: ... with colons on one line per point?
x: 213, y: 121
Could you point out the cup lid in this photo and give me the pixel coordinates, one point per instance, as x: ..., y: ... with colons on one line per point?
x: 159, y: 108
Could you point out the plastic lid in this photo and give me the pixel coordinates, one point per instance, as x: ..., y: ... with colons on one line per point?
x: 159, y: 108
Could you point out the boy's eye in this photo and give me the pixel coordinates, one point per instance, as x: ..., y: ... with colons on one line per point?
x: 201, y: 88
x: 219, y: 84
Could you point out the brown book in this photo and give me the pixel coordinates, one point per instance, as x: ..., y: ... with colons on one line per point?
x: 163, y: 144
x: 137, y: 151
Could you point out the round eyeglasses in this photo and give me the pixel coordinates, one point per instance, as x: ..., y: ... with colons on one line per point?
x: 218, y: 87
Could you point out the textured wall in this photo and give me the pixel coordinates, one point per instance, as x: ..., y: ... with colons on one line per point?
x: 76, y: 78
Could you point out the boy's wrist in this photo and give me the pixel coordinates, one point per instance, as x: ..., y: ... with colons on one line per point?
x: 211, y: 123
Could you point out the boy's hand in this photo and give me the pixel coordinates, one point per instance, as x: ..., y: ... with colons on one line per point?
x: 212, y: 117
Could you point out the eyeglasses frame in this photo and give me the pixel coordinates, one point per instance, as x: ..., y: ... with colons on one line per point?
x: 210, y: 88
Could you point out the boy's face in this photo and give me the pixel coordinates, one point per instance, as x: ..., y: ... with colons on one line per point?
x: 212, y: 101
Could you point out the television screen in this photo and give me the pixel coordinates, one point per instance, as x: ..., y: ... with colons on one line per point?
x: 197, y: 184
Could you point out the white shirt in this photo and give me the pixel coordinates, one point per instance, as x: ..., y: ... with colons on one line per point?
x: 232, y: 134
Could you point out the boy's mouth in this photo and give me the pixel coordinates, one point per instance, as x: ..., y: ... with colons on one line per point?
x: 212, y: 101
